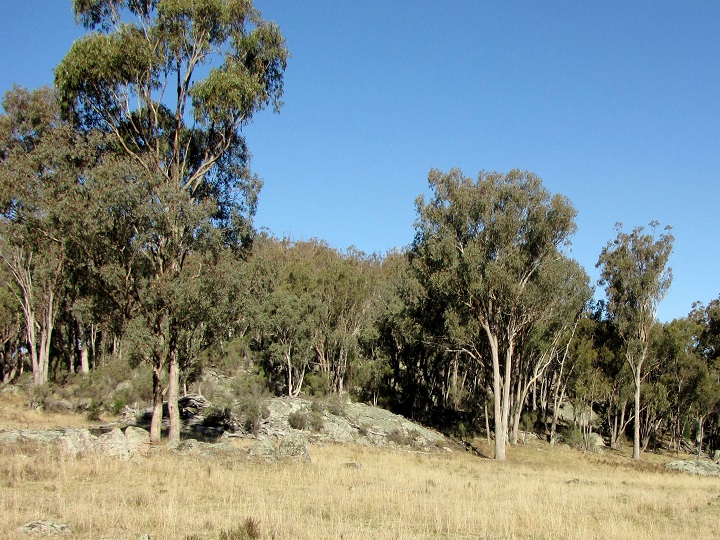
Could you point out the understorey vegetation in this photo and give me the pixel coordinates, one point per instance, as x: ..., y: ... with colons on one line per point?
x: 130, y: 268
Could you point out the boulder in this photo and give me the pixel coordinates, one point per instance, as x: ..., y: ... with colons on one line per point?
x: 45, y: 527
x: 137, y: 440
x: 36, y: 435
x: 113, y: 444
x: 77, y: 442
x: 203, y: 449
x: 291, y: 447
x: 595, y: 443
x: 701, y: 467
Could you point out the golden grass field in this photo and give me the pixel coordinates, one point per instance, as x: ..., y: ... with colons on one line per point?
x: 538, y: 493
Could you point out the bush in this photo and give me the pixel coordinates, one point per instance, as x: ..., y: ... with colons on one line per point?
x: 40, y: 395
x: 311, y: 420
x: 317, y: 384
x: 335, y: 405
x: 219, y: 417
x: 115, y: 406
x: 573, y: 436
x: 253, y: 411
x: 249, y: 530
x: 92, y: 412
x: 402, y: 437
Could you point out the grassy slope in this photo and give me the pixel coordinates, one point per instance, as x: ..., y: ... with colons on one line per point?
x: 539, y: 493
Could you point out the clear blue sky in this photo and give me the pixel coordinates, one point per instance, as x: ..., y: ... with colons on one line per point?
x: 613, y: 104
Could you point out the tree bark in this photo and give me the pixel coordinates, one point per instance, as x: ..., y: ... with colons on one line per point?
x: 173, y: 392
x: 497, y: 394
x: 156, y: 422
x: 636, y: 434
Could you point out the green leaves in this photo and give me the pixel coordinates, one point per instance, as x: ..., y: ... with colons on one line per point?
x: 636, y: 276
x: 481, y: 241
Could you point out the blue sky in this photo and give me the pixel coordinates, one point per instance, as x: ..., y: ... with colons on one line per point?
x: 613, y: 104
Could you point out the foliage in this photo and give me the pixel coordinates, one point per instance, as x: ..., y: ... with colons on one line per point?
x: 634, y: 270
x: 249, y: 530
x: 478, y: 251
x: 303, y: 419
x: 197, y: 193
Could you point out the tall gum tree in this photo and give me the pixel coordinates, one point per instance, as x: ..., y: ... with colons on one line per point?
x: 175, y: 81
x: 41, y: 195
x: 634, y: 272
x: 479, y: 244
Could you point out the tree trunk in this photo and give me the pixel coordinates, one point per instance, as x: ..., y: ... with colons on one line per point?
x: 519, y: 400
x: 487, y: 421
x: 156, y: 422
x: 507, y: 390
x: 172, y: 396
x: 636, y: 434
x: 84, y: 349
x: 289, y: 372
x: 497, y: 395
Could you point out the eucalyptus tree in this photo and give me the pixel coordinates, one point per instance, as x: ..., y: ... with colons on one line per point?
x: 175, y: 82
x: 480, y: 244
x: 285, y: 317
x: 42, y: 162
x: 558, y: 296
x: 344, y: 290
x: 634, y: 271
x: 706, y: 387
x: 11, y: 330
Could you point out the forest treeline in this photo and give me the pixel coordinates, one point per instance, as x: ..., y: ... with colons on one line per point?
x: 129, y: 263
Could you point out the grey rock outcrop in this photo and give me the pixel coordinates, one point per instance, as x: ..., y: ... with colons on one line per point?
x: 45, y: 527
x: 80, y: 442
x: 701, y: 467
x: 291, y: 447
x: 595, y: 443
x: 354, y: 423
x: 77, y: 442
x: 203, y: 449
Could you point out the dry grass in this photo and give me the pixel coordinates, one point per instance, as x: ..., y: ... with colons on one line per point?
x: 15, y: 414
x: 539, y: 493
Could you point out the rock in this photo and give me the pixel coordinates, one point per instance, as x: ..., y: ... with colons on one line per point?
x: 291, y: 447
x: 137, y: 440
x: 128, y: 415
x: 595, y: 443
x: 77, y: 442
x: 45, y: 436
x: 115, y: 444
x: 10, y: 436
x: 59, y: 406
x: 203, y: 449
x: 192, y: 405
x: 701, y: 467
x: 573, y: 481
x: 43, y: 527
x: 80, y: 442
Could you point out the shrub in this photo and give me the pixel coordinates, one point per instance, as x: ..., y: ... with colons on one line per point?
x: 312, y: 420
x: 402, y: 437
x: 92, y: 412
x: 298, y: 419
x: 253, y: 411
x: 115, y: 406
x: 317, y: 384
x: 249, y: 530
x: 218, y: 416
x: 335, y: 405
x: 40, y: 395
x: 573, y: 436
